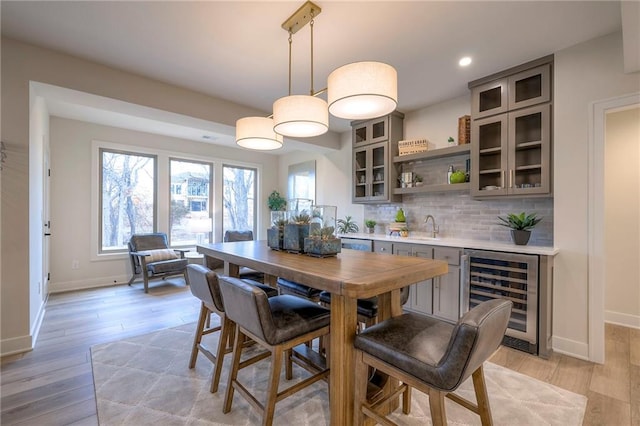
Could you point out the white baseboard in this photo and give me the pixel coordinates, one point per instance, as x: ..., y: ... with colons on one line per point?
x: 619, y: 318
x: 570, y: 347
x: 35, y: 329
x: 59, y: 287
x: 15, y: 345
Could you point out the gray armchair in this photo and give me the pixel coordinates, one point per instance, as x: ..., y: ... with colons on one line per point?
x: 151, y: 257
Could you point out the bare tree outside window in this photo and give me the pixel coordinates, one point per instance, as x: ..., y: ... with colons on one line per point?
x: 239, y: 189
x: 191, y: 221
x: 128, y: 187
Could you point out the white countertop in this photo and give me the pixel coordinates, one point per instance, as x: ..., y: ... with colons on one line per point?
x: 459, y: 242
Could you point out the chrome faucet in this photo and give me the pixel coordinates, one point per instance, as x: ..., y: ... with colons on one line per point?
x: 434, y: 229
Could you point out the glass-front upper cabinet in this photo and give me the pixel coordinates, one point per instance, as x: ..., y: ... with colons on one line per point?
x: 371, y: 131
x: 370, y: 174
x: 520, y: 90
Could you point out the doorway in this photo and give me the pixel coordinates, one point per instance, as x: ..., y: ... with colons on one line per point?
x: 596, y: 221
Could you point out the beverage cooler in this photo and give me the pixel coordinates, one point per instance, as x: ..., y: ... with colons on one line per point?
x: 510, y: 276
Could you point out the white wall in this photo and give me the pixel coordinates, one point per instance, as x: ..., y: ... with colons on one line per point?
x: 437, y: 122
x: 584, y: 73
x: 73, y: 182
x: 333, y: 177
x: 622, y: 217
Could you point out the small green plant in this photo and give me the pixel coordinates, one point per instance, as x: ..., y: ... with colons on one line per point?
x: 417, y: 178
x: 279, y: 223
x: 520, y: 222
x: 347, y: 225
x: 325, y: 233
x: 370, y: 223
x: 301, y: 218
x: 276, y: 202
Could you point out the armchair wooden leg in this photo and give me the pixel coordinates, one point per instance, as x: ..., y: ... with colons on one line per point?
x: 436, y: 403
x: 484, y: 409
x: 145, y: 278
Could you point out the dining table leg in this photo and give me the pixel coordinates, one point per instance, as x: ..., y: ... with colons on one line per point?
x: 344, y: 317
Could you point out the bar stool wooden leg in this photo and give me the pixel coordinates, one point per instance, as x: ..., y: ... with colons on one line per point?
x: 235, y: 365
x: 288, y: 365
x: 226, y: 327
x: 274, y: 378
x: 406, y: 400
x: 484, y: 409
x: 204, y: 313
x: 436, y: 403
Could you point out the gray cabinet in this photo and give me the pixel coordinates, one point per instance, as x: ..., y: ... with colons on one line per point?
x: 440, y: 296
x: 446, y: 289
x: 375, y: 143
x: 511, y: 134
x: 421, y: 293
x: 511, y: 90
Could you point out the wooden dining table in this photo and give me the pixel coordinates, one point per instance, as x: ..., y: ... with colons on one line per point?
x: 349, y: 276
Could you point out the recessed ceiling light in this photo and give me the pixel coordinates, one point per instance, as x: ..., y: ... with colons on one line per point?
x: 464, y: 61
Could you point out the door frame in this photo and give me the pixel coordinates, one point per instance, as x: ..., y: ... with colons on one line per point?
x: 596, y: 222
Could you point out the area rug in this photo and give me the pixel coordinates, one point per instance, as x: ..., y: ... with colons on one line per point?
x: 145, y: 380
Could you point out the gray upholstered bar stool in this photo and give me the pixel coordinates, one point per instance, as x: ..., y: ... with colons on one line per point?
x: 297, y: 289
x: 278, y: 324
x: 432, y: 356
x: 232, y: 236
x: 367, y: 308
x: 204, y: 286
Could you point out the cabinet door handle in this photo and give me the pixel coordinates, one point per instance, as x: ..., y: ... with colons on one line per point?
x: 502, y: 179
x: 511, y: 177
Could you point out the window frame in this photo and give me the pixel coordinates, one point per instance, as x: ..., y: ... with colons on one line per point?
x: 212, y: 206
x: 163, y: 201
x: 255, y: 195
x: 100, y: 225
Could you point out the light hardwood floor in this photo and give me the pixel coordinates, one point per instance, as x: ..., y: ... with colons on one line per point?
x: 53, y: 384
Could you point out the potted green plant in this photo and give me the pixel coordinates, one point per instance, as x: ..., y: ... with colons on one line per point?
x: 370, y: 224
x: 322, y: 243
x: 520, y: 225
x: 347, y: 225
x: 276, y: 202
x: 417, y: 180
x: 298, y: 228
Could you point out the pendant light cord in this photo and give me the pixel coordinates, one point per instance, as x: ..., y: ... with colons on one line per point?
x: 311, y: 85
x: 290, y: 42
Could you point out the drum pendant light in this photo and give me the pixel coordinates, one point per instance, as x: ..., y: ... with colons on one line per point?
x: 356, y: 91
x: 300, y: 115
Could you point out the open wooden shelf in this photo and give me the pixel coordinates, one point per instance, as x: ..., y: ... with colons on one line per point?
x: 433, y: 188
x: 436, y: 153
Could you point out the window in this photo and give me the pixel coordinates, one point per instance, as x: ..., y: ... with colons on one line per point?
x: 190, y: 220
x: 239, y: 189
x: 128, y: 197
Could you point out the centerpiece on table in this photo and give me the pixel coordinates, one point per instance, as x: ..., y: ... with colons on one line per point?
x: 520, y: 225
x: 275, y: 234
x: 298, y: 228
x: 322, y: 242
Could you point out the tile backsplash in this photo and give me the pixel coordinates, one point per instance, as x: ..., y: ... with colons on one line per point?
x: 460, y: 216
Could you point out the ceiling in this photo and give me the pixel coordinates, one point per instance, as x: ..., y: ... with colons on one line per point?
x: 237, y: 50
